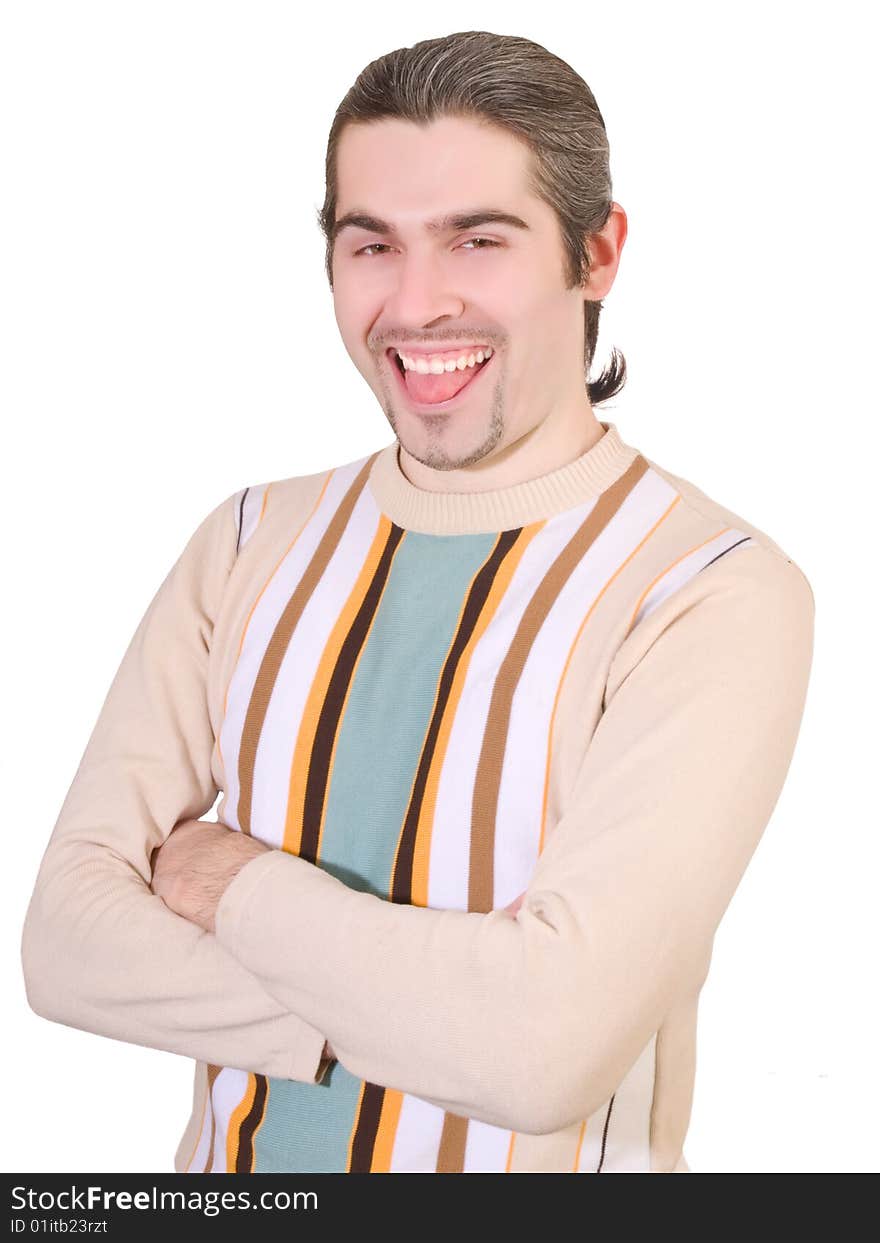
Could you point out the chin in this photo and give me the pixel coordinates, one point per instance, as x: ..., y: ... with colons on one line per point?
x: 447, y: 447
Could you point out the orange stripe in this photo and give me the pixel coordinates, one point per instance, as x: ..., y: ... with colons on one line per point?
x: 577, y: 1155
x: 239, y: 1114
x: 354, y: 1125
x: 263, y: 506
x: 672, y: 566
x: 384, y: 1146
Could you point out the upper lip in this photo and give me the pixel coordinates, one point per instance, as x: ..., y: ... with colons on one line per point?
x: 437, y: 349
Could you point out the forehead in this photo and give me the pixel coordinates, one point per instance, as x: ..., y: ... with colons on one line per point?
x: 410, y: 173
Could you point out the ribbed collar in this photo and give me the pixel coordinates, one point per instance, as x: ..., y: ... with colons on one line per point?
x: 499, y: 509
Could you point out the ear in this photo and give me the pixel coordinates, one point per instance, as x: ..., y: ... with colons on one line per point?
x: 605, y: 248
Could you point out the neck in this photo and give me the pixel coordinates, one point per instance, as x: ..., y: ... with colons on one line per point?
x: 545, y: 448
x: 502, y: 508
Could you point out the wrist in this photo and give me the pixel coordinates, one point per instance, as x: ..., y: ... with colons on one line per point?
x: 241, y: 850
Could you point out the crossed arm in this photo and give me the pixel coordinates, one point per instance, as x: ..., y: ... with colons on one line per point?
x: 527, y: 1022
x: 197, y: 862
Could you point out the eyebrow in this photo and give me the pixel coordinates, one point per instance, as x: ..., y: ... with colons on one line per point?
x: 451, y: 223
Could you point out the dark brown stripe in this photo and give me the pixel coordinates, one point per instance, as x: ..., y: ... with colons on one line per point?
x: 367, y: 1128
x: 724, y: 553
x: 605, y: 1135
x: 401, y: 885
x: 277, y: 646
x: 244, y: 1160
x: 333, y: 703
x: 240, y: 520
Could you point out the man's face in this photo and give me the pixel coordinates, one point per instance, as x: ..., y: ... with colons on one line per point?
x: 435, y: 291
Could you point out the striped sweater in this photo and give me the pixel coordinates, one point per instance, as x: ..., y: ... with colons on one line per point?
x: 586, y: 687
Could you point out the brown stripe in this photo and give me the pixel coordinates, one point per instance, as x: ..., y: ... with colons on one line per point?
x: 401, y: 885
x: 450, y: 1158
x: 453, y: 1138
x: 481, y: 885
x: 213, y: 1072
x: 277, y: 646
x: 244, y: 1160
x: 334, y: 701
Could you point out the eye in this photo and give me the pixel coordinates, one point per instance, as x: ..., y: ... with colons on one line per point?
x: 487, y: 241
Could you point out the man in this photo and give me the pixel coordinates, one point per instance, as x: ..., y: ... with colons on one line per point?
x: 499, y: 713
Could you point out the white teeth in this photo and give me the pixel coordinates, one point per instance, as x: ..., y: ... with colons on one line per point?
x: 436, y: 365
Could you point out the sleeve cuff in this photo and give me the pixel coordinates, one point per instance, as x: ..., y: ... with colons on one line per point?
x: 307, y: 1061
x: 237, y: 895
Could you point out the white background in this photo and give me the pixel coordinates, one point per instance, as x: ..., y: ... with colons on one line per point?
x: 168, y: 337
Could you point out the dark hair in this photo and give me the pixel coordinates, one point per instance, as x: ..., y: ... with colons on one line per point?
x: 519, y: 86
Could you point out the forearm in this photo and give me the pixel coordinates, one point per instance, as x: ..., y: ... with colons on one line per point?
x: 465, y: 1034
x: 101, y: 953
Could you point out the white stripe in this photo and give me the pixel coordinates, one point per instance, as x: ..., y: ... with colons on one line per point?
x: 228, y: 1092
x: 260, y: 628
x: 487, y: 1148
x: 249, y: 517
x: 417, y: 1139
x: 685, y: 569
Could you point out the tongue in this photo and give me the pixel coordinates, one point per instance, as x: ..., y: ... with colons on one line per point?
x: 431, y: 388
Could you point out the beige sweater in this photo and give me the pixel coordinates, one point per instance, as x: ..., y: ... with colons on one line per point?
x: 587, y: 687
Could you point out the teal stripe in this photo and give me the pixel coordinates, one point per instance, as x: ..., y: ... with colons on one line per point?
x: 390, y: 704
x: 308, y: 1126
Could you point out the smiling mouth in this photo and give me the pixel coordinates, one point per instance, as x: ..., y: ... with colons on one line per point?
x: 427, y: 407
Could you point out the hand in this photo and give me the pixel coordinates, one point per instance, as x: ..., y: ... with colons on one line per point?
x: 515, y: 904
x: 195, y: 864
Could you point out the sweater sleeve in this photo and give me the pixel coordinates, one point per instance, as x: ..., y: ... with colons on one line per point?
x: 99, y: 950
x: 530, y: 1023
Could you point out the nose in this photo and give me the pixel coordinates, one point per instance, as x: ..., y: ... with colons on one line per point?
x: 422, y: 293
